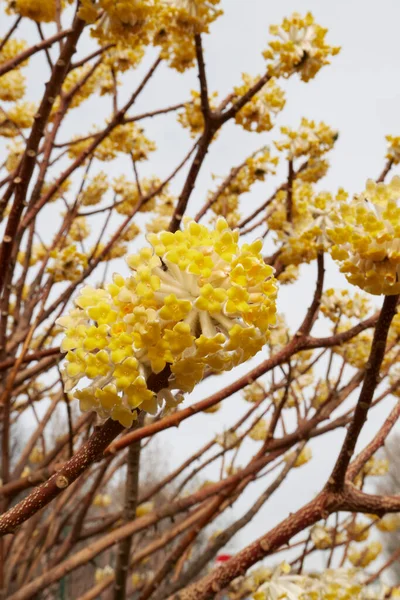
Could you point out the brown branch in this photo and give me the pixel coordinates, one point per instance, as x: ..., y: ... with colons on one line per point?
x: 377, y: 442
x: 148, y: 550
x: 12, y: 63
x: 289, y: 195
x: 25, y: 170
x: 194, y: 170
x: 184, y: 544
x: 205, y: 106
x: 175, y: 419
x: 224, y: 537
x: 385, y: 171
x: 281, y: 188
x: 10, y: 32
x: 129, y: 513
x: 219, y: 578
x: 72, y: 469
x: 227, y: 181
x: 117, y: 120
x: 337, y: 478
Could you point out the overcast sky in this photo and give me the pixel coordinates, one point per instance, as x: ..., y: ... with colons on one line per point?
x: 359, y: 94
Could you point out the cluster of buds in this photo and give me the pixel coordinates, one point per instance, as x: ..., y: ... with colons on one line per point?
x: 195, y: 301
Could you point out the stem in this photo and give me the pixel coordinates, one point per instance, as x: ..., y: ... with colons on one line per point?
x: 131, y: 501
x: 337, y: 479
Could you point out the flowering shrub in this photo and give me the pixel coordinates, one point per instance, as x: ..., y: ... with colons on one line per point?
x: 134, y: 346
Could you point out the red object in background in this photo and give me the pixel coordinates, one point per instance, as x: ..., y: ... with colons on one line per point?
x: 223, y: 558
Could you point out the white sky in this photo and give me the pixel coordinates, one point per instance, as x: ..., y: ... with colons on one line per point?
x: 359, y: 94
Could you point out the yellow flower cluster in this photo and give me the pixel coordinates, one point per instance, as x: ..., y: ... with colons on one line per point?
x: 20, y: 116
x: 305, y: 235
x: 169, y: 24
x: 321, y: 393
x: 14, y: 152
x: 12, y: 83
x: 255, y: 392
x: 375, y: 467
x: 102, y: 500
x: 300, y: 47
x: 59, y: 192
x: 311, y: 140
x: 324, y: 537
x: 102, y: 573
x: 38, y: 252
x: 12, y: 86
x: 79, y: 230
x: 128, y: 195
x: 315, y: 170
x: 127, y: 138
x: 259, y: 431
x: 256, y: 168
x: 331, y: 584
x: 258, y: 114
x: 362, y: 557
x: 93, y: 193
x: 366, y: 237
x: 177, y: 22
x: 227, y: 440
x: 195, y: 300
x: 357, y: 351
x: 36, y: 456
x: 280, y: 334
x: 335, y: 303
x: 358, y: 531
x: 303, y: 458
x: 191, y: 116
x: 84, y: 83
x: 144, y: 509
x: 43, y: 11
x: 68, y: 263
x: 11, y: 49
x: 393, y: 151
x: 389, y: 523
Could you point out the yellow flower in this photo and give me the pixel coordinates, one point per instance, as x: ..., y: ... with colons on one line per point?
x: 388, y: 523
x: 191, y: 116
x: 300, y: 47
x: 393, y: 153
x: 43, y: 11
x: 311, y: 139
x: 258, y: 114
x: 93, y: 192
x: 12, y: 86
x: 363, y: 556
x: 254, y: 392
x: 366, y: 237
x: 144, y: 509
x: 172, y: 311
x: 68, y: 263
x: 303, y: 458
x: 259, y: 431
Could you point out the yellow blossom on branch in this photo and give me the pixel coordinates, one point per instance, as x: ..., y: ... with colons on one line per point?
x: 300, y: 47
x: 366, y: 237
x: 259, y: 112
x: 196, y: 300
